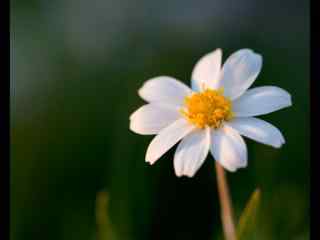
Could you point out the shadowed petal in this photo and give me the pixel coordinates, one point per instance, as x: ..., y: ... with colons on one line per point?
x: 258, y: 130
x: 151, y: 118
x: 167, y: 138
x: 239, y: 72
x: 164, y: 89
x: 228, y: 148
x: 261, y: 100
x: 207, y: 71
x: 191, y: 152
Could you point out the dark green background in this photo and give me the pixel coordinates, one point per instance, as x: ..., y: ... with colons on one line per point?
x: 76, y: 66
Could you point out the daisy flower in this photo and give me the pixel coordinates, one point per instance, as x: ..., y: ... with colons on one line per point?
x: 211, y: 115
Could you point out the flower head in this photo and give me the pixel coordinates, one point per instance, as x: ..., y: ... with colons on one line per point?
x: 208, y: 108
x: 212, y: 115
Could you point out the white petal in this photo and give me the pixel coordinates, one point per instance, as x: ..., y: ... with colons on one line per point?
x: 165, y: 90
x: 191, y: 152
x: 228, y: 148
x: 207, y: 71
x: 258, y: 130
x: 167, y: 138
x: 151, y: 118
x: 239, y: 72
x: 261, y: 100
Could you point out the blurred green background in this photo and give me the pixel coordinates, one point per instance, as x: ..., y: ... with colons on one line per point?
x: 76, y: 66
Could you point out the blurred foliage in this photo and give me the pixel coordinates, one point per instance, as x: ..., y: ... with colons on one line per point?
x: 104, y: 227
x: 247, y: 222
x: 76, y: 66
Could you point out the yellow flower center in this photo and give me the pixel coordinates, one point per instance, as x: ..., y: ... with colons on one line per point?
x: 207, y: 108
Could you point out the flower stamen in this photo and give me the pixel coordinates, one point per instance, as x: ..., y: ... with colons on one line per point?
x: 207, y: 108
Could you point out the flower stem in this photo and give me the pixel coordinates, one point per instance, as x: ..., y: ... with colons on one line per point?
x: 225, y: 204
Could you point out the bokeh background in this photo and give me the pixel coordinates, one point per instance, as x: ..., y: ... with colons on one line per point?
x: 76, y: 66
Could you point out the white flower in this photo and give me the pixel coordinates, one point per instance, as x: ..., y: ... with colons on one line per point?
x: 210, y: 116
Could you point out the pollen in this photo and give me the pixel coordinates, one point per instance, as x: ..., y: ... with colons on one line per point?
x: 207, y: 108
